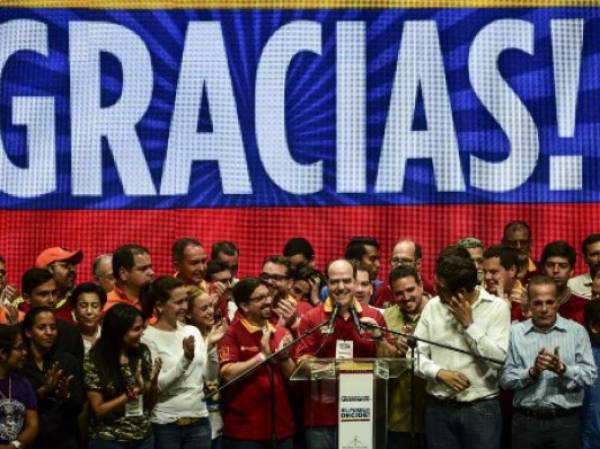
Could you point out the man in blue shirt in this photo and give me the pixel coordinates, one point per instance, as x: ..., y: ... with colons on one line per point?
x: 590, y: 426
x: 549, y: 365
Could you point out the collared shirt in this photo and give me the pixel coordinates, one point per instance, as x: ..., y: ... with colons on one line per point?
x: 399, y: 396
x: 487, y: 336
x: 118, y: 296
x: 581, y: 285
x: 549, y: 390
x: 247, y: 406
x: 590, y: 425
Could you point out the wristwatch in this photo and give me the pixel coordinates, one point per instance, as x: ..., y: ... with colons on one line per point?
x: 17, y: 444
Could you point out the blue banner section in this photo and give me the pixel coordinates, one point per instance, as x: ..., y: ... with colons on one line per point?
x: 108, y: 109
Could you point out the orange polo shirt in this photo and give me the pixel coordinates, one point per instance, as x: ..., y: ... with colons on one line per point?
x: 118, y: 296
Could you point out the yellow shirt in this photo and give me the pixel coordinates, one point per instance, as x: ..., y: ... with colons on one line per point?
x: 399, y: 401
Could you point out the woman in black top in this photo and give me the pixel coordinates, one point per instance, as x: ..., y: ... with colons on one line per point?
x: 56, y: 377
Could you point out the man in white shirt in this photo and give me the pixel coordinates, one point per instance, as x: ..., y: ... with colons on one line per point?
x: 590, y: 248
x: 462, y: 408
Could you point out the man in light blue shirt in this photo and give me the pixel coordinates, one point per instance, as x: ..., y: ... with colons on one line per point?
x: 549, y: 365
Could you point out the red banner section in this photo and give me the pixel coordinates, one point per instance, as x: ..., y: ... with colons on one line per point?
x: 263, y: 231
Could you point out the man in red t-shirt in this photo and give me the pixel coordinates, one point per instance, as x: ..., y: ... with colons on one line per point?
x: 320, y: 417
x: 558, y: 262
x: 257, y: 407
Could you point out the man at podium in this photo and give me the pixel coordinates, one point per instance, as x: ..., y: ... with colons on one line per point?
x: 341, y: 338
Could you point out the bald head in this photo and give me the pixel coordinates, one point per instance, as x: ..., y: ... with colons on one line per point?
x: 341, y: 281
x: 406, y: 252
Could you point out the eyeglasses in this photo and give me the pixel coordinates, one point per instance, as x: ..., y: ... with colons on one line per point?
x: 273, y: 277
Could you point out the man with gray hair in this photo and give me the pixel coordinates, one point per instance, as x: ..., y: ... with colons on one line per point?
x: 102, y: 272
x: 475, y: 248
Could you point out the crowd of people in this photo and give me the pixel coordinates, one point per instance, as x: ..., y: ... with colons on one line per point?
x: 136, y: 361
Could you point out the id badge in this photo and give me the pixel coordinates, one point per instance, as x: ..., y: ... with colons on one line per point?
x: 344, y: 349
x: 134, y: 407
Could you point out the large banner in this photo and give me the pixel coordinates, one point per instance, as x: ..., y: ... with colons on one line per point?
x: 257, y: 121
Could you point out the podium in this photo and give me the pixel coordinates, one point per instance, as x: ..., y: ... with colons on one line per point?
x: 354, y: 390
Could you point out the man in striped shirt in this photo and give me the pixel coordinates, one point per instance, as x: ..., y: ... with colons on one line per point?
x: 549, y: 364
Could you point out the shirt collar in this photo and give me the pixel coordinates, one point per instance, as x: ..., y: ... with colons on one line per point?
x: 251, y: 328
x: 559, y: 325
x: 328, y: 305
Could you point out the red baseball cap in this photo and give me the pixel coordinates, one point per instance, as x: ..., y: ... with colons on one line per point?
x: 58, y: 254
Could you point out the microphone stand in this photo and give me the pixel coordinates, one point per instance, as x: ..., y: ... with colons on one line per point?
x: 412, y: 343
x: 268, y: 359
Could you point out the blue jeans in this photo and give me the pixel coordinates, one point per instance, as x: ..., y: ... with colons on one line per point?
x: 148, y: 443
x: 230, y: 443
x: 321, y: 437
x: 454, y: 425
x: 172, y: 436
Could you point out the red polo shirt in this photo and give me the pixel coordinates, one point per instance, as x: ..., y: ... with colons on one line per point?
x: 320, y: 409
x: 247, y: 405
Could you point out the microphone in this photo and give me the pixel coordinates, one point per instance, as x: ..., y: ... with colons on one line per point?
x: 355, y: 319
x: 334, y: 314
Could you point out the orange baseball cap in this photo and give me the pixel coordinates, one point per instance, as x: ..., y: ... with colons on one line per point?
x: 58, y: 254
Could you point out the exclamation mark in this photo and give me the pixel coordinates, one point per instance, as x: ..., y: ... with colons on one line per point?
x: 567, y: 43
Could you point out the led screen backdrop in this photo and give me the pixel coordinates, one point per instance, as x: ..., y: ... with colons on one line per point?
x: 258, y: 121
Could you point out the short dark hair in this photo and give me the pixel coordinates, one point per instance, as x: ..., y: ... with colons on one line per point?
x: 356, y: 247
x: 8, y: 336
x: 457, y: 272
x: 224, y: 246
x: 243, y: 289
x: 516, y: 224
x: 559, y: 248
x: 124, y: 257
x: 299, y: 245
x: 157, y: 291
x: 539, y: 279
x: 179, y: 247
x: 508, y: 256
x: 215, y: 266
x: 589, y: 240
x: 279, y: 260
x: 403, y: 271
x: 33, y: 278
x: 87, y: 287
x: 453, y: 250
